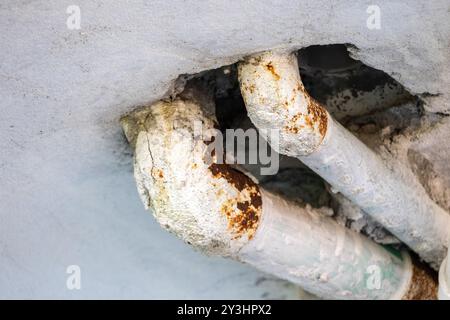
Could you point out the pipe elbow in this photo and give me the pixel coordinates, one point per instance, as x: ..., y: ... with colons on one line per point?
x: 209, y: 205
x: 277, y: 100
x: 191, y: 192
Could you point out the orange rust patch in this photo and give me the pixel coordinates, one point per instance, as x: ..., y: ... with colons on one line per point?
x: 316, y: 115
x: 157, y: 173
x: 319, y: 115
x: 234, y: 177
x: 296, y: 117
x: 271, y: 68
x: 194, y: 166
x: 242, y: 215
x: 293, y: 127
x: 309, y: 122
x: 246, y: 221
x: 424, y: 284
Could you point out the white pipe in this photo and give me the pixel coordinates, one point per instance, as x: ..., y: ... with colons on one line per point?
x: 219, y: 210
x: 276, y: 99
x: 444, y: 279
x: 308, y: 248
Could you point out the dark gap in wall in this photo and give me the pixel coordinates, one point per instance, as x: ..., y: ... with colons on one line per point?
x: 347, y: 87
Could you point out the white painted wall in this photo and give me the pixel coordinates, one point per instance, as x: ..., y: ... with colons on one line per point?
x: 66, y: 190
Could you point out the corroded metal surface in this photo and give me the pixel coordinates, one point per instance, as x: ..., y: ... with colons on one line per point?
x: 212, y: 206
x: 424, y: 285
x: 220, y: 210
x: 276, y: 98
x: 244, y: 210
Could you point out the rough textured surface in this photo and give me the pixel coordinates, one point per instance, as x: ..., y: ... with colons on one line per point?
x: 67, y: 195
x: 217, y: 209
x: 424, y: 285
x: 211, y: 206
x: 306, y: 247
x: 276, y: 99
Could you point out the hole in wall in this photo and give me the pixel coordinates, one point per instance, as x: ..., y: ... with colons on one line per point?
x: 355, y: 94
x: 347, y: 87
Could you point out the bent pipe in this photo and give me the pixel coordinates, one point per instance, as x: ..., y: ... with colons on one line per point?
x: 444, y: 279
x: 221, y: 211
x: 275, y: 98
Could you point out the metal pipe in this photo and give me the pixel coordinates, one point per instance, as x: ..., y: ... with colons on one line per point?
x: 221, y: 211
x: 276, y: 99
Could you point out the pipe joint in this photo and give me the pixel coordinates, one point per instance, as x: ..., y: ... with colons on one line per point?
x: 276, y: 99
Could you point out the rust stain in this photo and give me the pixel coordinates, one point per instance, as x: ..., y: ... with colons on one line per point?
x: 424, y: 284
x: 234, y: 177
x: 156, y: 172
x: 271, y: 68
x: 242, y: 212
x: 309, y: 122
x: 292, y: 129
x: 319, y: 115
x: 296, y: 117
x: 316, y: 116
x: 250, y: 88
x: 292, y: 125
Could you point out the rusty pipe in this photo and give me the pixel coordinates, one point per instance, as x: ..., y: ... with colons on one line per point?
x: 275, y: 98
x: 222, y: 211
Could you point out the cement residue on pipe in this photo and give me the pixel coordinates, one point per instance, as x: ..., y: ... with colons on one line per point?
x: 339, y: 157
